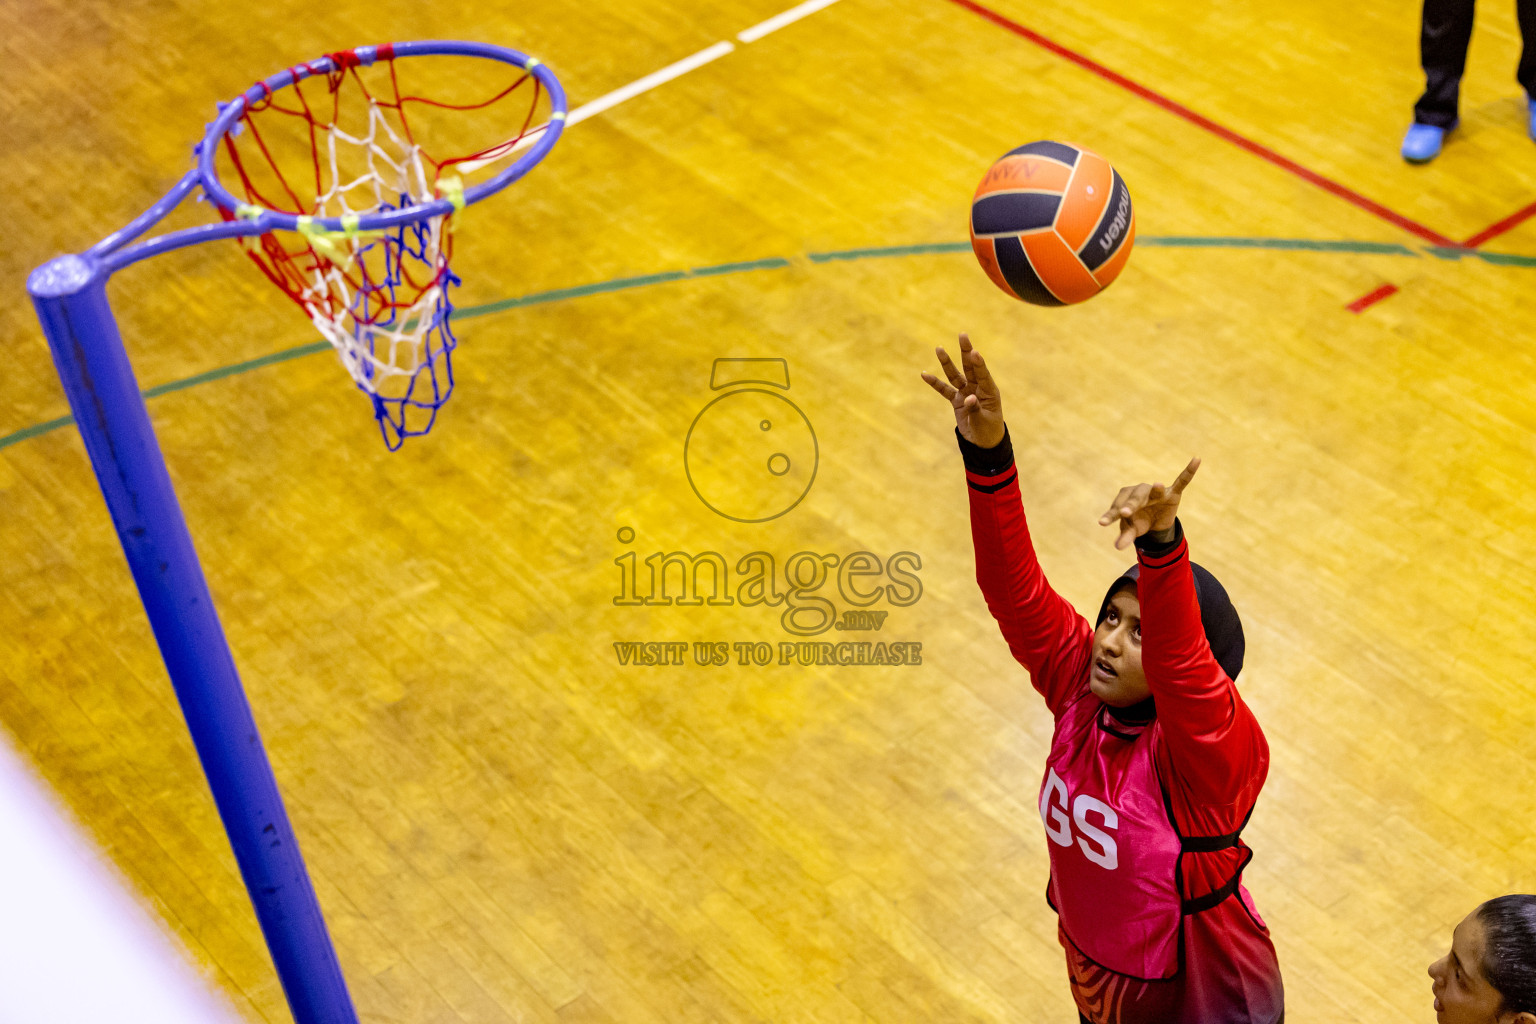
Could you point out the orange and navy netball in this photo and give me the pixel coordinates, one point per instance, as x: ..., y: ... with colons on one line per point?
x: 1052, y: 224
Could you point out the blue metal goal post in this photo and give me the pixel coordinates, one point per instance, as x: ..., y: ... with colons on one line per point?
x: 348, y: 214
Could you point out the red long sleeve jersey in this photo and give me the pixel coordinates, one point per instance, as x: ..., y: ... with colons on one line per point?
x: 1209, y: 754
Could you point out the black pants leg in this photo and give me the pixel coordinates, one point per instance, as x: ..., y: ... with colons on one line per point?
x: 1525, y: 10
x: 1443, y: 39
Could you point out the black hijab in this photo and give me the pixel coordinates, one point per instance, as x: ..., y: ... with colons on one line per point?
x: 1223, y: 629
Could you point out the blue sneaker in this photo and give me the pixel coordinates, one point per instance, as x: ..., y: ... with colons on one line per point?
x: 1531, y: 109
x: 1422, y: 143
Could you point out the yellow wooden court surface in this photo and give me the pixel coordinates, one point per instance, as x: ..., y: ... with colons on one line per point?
x: 506, y: 823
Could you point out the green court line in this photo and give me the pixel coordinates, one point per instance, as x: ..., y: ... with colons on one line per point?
x: 1153, y: 241
x: 732, y: 268
x: 616, y: 285
x: 1284, y: 244
x: 778, y: 263
x: 560, y: 294
x: 35, y: 429
x: 229, y: 371
x: 178, y: 385
x: 1503, y: 259
x: 891, y: 250
x: 1507, y: 259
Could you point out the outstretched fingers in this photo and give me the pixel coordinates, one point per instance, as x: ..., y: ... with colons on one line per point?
x: 956, y: 378
x: 1145, y: 507
x: 977, y: 372
x: 1125, y: 504
x: 1186, y: 476
x: 1113, y: 512
x: 1132, y: 511
x: 939, y: 386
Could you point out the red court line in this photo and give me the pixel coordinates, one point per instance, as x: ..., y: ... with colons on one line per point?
x: 1494, y: 230
x: 1263, y: 152
x: 1371, y: 298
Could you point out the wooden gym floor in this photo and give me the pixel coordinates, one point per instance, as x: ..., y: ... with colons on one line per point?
x: 504, y: 822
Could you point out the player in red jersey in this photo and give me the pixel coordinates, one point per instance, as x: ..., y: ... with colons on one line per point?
x: 1155, y: 762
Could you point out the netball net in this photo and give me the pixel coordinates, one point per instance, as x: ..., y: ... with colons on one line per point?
x: 342, y: 143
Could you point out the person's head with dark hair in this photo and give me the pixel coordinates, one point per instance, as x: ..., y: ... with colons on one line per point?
x: 1115, y: 673
x: 1489, y: 976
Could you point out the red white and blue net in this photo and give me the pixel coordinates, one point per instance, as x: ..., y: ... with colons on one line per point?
x: 343, y: 144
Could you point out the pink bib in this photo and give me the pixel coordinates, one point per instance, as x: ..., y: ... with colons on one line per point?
x: 1114, y: 853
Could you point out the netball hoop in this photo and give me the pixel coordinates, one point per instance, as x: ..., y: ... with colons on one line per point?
x: 352, y: 216
x: 344, y: 208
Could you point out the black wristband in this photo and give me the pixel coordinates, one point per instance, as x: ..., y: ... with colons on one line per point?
x: 993, y: 461
x: 1152, y: 549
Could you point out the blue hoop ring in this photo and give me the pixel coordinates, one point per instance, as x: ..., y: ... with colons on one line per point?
x: 114, y: 256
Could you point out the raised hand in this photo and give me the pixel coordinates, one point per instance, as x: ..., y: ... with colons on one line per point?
x: 1147, y: 508
x: 974, y: 395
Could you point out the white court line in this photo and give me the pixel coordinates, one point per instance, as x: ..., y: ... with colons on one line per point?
x: 778, y: 21
x: 666, y: 74
x: 649, y: 82
x: 75, y: 947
